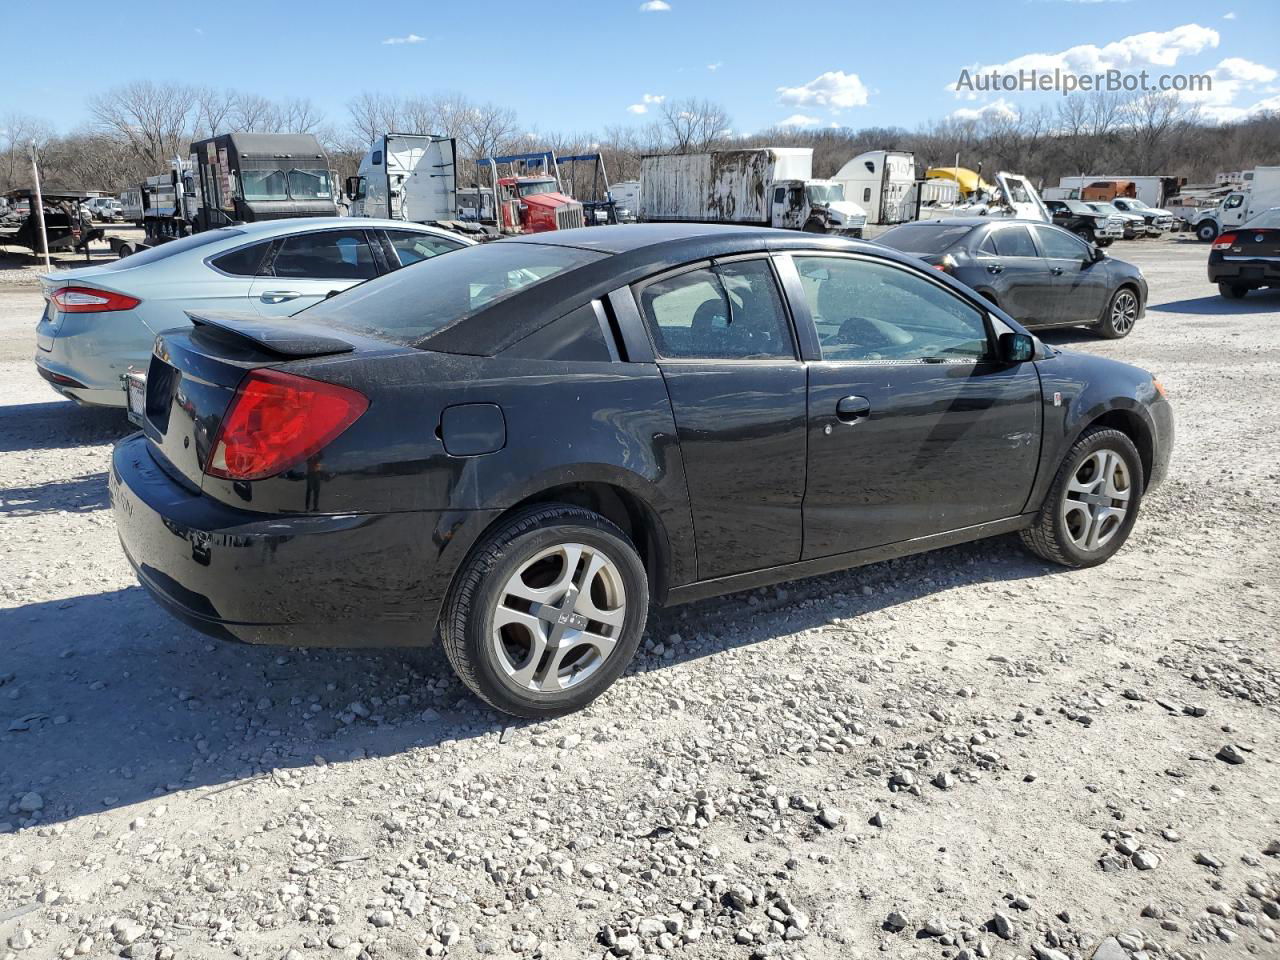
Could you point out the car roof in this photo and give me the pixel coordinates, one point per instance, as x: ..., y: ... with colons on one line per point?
x: 278, y: 228
x: 624, y: 238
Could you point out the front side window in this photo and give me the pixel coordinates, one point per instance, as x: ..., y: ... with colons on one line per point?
x: 729, y: 312
x: 866, y: 311
x: 327, y: 255
x: 1015, y: 241
x: 1060, y: 245
x: 1233, y: 201
x: 413, y: 247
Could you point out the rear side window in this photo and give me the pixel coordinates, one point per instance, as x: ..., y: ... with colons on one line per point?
x: 243, y: 262
x: 1060, y: 245
x: 1015, y: 241
x: 412, y: 247
x: 729, y: 312
x: 327, y: 255
x: 575, y: 336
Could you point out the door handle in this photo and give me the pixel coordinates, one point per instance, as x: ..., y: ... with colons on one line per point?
x: 994, y: 268
x: 1056, y: 271
x: 279, y: 296
x: 853, y: 409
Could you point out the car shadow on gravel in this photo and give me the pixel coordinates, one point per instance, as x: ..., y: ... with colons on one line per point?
x: 59, y: 425
x: 106, y: 702
x: 1257, y: 301
x: 77, y: 495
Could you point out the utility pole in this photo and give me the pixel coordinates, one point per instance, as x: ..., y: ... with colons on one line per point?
x: 37, y: 207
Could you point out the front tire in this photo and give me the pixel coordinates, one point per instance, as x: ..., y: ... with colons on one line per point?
x: 1093, y: 503
x: 1121, y: 314
x: 1207, y: 232
x: 1233, y: 291
x: 546, y: 611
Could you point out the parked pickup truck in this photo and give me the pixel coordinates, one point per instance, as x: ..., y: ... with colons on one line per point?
x: 1158, y: 221
x: 1085, y: 222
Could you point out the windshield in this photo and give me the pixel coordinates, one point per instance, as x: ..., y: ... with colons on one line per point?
x: 417, y: 301
x: 530, y: 188
x: 1104, y: 208
x: 1138, y: 205
x: 1017, y: 190
x: 924, y: 238
x: 1075, y: 206
x: 309, y: 184
x: 823, y: 193
x: 1266, y: 220
x: 264, y: 184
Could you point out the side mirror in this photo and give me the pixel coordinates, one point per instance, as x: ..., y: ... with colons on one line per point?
x: 1096, y: 254
x: 1017, y: 347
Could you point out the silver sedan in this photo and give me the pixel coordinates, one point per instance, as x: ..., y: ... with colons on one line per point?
x: 101, y: 321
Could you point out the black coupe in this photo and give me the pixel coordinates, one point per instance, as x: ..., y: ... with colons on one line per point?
x: 1039, y: 274
x: 527, y: 442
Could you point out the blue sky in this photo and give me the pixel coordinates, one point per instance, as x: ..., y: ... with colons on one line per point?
x: 580, y: 66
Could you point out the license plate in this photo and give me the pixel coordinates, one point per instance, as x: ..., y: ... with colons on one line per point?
x: 135, y: 388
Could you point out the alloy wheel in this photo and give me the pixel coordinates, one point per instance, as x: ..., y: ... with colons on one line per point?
x: 1096, y: 501
x: 1124, y: 312
x: 558, y: 618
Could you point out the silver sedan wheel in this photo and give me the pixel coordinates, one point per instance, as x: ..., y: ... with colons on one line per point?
x: 559, y: 617
x: 1096, y: 501
x: 1124, y: 312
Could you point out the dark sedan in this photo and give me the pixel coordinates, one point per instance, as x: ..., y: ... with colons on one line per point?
x: 525, y: 443
x: 1039, y: 274
x: 1247, y: 257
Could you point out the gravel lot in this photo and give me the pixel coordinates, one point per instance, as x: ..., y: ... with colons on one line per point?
x: 966, y: 754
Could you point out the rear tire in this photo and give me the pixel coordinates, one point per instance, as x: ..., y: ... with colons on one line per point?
x: 1103, y: 465
x: 546, y: 611
x: 1121, y: 314
x: 1233, y: 291
x: 1105, y: 241
x: 1085, y: 234
x: 1207, y: 232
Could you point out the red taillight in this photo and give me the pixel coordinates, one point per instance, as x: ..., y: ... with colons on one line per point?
x: 277, y: 420
x: 1225, y: 242
x: 89, y: 300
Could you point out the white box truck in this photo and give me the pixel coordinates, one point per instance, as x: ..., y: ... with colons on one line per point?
x: 1261, y: 193
x: 765, y: 187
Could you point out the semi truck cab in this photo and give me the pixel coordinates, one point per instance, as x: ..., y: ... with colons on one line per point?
x: 815, y: 206
x: 535, y: 204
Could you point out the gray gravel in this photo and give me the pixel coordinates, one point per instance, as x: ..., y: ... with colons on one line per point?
x: 892, y: 761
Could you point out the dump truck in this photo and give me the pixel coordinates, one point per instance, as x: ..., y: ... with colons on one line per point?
x: 765, y: 187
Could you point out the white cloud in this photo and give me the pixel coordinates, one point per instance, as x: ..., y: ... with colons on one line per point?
x: 713, y: 67
x: 834, y: 90
x: 653, y: 98
x: 800, y: 120
x: 646, y: 101
x: 1245, y: 71
x: 1161, y: 49
x: 637, y: 108
x: 655, y: 6
x: 1231, y: 78
x: 396, y: 41
x: 1001, y: 108
x: 1229, y: 16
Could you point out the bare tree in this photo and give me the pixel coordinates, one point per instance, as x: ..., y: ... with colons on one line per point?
x: 17, y: 132
x: 156, y: 120
x: 694, y: 125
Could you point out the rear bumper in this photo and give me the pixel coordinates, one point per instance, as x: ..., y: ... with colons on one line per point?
x: 1255, y: 271
x: 317, y: 580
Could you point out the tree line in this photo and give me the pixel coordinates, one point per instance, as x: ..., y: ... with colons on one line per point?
x: 134, y: 130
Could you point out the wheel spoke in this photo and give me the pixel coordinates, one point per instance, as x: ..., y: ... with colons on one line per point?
x: 570, y: 553
x: 536, y: 630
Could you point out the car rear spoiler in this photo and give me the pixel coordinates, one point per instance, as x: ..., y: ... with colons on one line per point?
x: 285, y: 337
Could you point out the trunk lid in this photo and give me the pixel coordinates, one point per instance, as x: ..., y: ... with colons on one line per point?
x: 1260, y: 242
x: 193, y: 376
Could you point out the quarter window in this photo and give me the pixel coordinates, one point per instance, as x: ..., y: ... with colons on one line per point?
x: 243, y: 262
x: 873, y: 312
x: 329, y: 255
x: 1060, y: 245
x: 728, y: 312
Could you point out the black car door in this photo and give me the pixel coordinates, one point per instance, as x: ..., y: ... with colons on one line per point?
x: 1017, y: 273
x: 1080, y: 284
x: 915, y: 428
x: 723, y: 341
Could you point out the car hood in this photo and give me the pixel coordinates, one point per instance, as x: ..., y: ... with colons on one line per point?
x: 546, y: 200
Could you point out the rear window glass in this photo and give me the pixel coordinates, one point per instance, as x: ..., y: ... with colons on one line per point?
x: 924, y: 237
x: 407, y: 305
x: 166, y: 250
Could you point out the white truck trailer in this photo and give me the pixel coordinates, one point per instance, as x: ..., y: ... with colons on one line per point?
x: 766, y: 187
x: 1261, y: 193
